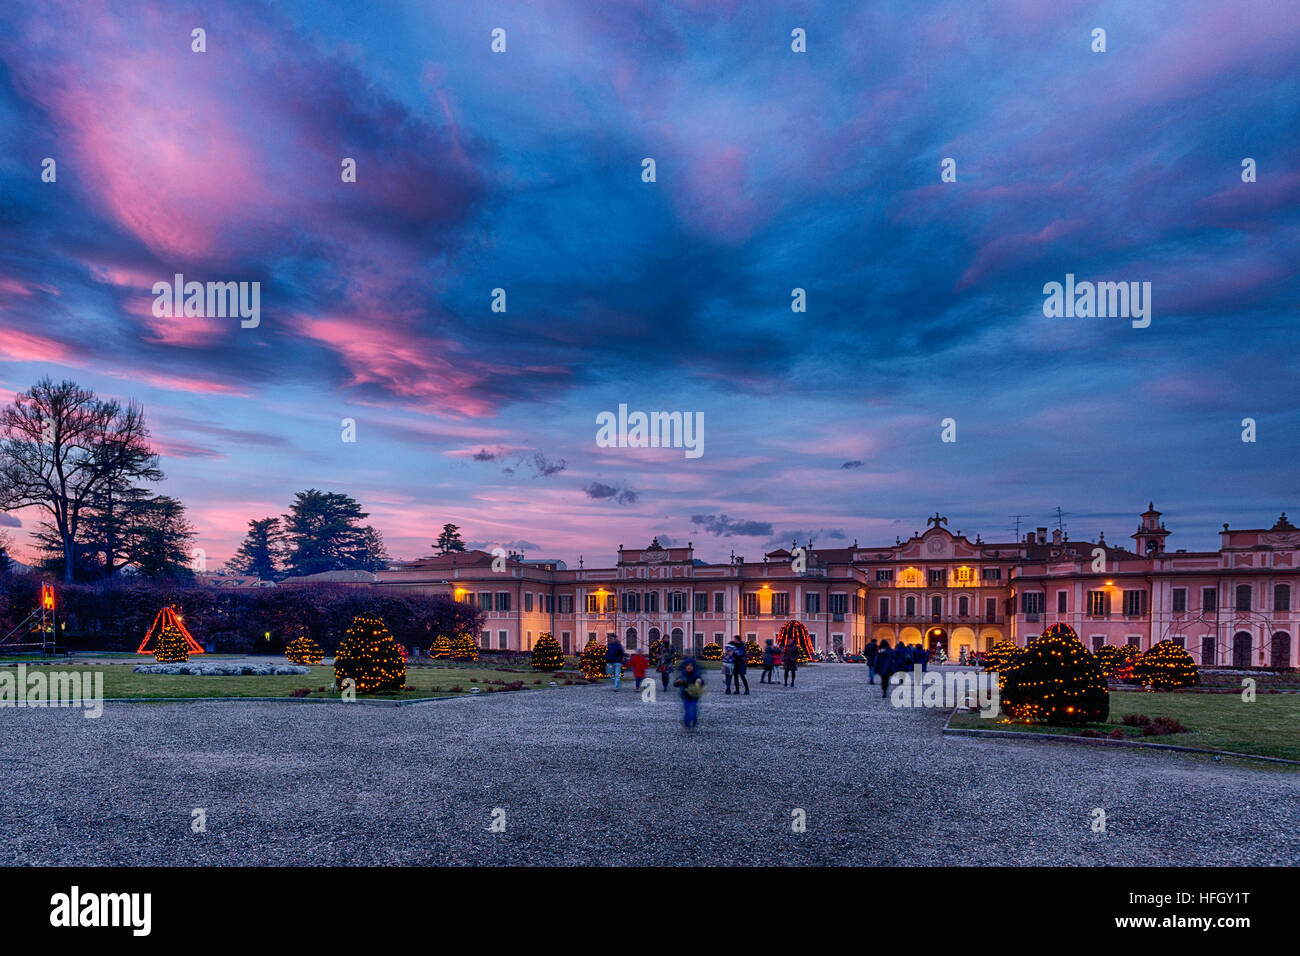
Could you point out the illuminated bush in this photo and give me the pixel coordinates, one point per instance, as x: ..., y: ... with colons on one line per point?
x: 303, y: 650
x: 711, y: 652
x: 463, y: 648
x: 369, y: 656
x: 753, y: 653
x: 1054, y: 680
x: 1166, y: 667
x: 442, y: 648
x: 172, y: 648
x: 592, y: 661
x: 1000, y: 655
x: 547, y: 655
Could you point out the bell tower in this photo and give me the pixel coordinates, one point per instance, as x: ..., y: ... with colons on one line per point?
x: 1151, y: 533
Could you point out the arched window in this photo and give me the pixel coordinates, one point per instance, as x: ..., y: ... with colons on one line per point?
x: 1241, y: 649
x: 631, y: 638
x: 911, y: 606
x: 677, y: 638
x: 654, y: 635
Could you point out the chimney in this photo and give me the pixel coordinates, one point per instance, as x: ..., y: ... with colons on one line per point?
x: 1042, y: 536
x: 1056, y: 536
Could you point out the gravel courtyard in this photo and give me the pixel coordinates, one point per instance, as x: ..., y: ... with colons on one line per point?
x: 587, y: 776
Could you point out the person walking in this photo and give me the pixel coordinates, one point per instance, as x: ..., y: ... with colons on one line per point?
x: 769, y: 661
x: 728, y: 664
x: 884, y: 666
x: 640, y: 663
x: 740, y: 663
x: 790, y: 660
x: 666, y: 656
x: 870, y: 652
x: 614, y: 660
x: 923, y: 656
x: 691, y: 681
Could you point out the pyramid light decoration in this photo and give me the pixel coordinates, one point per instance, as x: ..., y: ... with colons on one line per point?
x: 168, y: 617
x: 794, y: 631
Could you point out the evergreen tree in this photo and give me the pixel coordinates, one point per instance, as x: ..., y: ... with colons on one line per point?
x: 592, y: 661
x: 262, y: 550
x: 463, y: 648
x: 172, y: 647
x: 442, y: 648
x: 449, y: 540
x: 323, y: 532
x: 1054, y: 680
x: 1166, y: 666
x: 547, y: 655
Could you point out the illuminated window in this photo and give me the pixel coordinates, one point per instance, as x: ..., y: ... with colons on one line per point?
x: 965, y: 575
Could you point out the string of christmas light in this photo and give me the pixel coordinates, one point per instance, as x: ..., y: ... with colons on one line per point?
x: 592, y: 661
x: 1001, y: 655
x: 1166, y: 666
x: 172, y: 648
x: 710, y: 652
x: 369, y: 655
x: 303, y: 650
x: 463, y: 648
x: 442, y: 648
x: 547, y: 655
x: 1054, y: 680
x: 795, y: 631
x: 167, y: 616
x: 753, y: 653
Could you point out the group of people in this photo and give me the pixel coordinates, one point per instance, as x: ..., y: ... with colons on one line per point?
x: 884, y: 662
x: 690, y: 677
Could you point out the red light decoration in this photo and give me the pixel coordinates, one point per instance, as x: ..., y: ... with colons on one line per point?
x: 167, y: 617
x: 47, y: 596
x: 794, y: 631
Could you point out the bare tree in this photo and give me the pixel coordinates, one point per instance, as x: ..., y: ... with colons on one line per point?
x: 60, y: 445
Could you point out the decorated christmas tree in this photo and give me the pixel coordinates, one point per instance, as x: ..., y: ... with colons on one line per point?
x: 1129, y: 654
x: 463, y: 648
x: 1055, y: 680
x: 547, y: 655
x: 1000, y: 655
x: 303, y: 650
x: 592, y: 661
x: 710, y: 652
x: 442, y: 648
x: 368, y: 655
x: 1166, y: 666
x: 165, y: 618
x: 172, y: 648
x: 753, y: 653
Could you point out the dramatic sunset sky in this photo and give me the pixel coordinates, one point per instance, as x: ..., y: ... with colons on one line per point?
x: 775, y: 170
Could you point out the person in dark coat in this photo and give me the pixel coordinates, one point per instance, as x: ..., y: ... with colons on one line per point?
x: 870, y: 652
x: 666, y: 657
x: 924, y: 657
x: 691, y: 680
x: 740, y: 663
x: 769, y: 662
x: 790, y: 659
x: 614, y: 661
x: 884, y: 666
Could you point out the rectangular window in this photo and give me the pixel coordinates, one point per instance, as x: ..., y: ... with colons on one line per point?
x: 838, y: 603
x: 591, y: 636
x: 751, y: 605
x: 652, y: 602
x: 529, y: 645
x: 780, y: 604
x: 1180, y: 600
x: 701, y: 602
x: 936, y: 607
x: 1135, y: 603
x: 935, y: 576
x: 502, y: 640
x: 1098, y: 641
x: 884, y: 574
x: 1243, y: 597
x: 717, y: 638
x: 503, y: 600
x: 717, y: 602
x: 565, y: 640
x: 592, y: 605
x: 884, y: 609
x: 963, y: 606
x: 1031, y: 602
x: 485, y: 601
x: 631, y: 602
x: 677, y: 602
x: 991, y: 610
x: 812, y: 603
x: 910, y: 607
x: 1061, y: 599
x: 566, y: 603
x: 965, y: 575
x: 1098, y: 603
x: 528, y: 602
x: 751, y: 637
x: 1282, y: 597
x: 699, y: 642
x: 1209, y: 599
x: 1134, y: 639
x: 485, y: 639
x: 992, y: 574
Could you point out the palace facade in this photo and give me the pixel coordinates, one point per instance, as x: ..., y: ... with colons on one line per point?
x: 1233, y: 606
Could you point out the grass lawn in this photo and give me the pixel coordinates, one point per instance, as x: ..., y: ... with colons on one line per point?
x: 425, y: 680
x: 1268, y: 726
